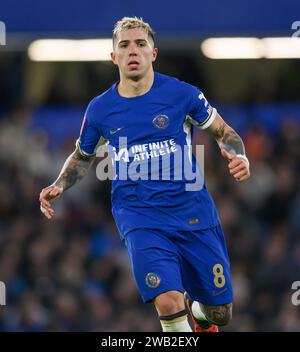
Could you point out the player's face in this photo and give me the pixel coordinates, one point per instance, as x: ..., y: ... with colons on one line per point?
x: 134, y: 53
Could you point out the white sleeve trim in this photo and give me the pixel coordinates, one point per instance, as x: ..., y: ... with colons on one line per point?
x: 210, y: 120
x: 101, y: 141
x: 82, y: 152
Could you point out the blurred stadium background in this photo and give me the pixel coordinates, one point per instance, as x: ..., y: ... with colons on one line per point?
x: 73, y: 274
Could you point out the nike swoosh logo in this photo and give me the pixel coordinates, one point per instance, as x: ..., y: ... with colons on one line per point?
x: 115, y: 131
x: 218, y: 293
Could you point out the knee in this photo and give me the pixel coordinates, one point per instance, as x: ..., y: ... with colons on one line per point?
x: 219, y: 315
x: 169, y: 303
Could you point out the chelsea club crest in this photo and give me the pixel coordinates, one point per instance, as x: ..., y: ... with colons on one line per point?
x: 161, y: 121
x: 152, y: 280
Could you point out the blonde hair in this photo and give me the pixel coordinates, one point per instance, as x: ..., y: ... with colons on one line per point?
x: 129, y: 23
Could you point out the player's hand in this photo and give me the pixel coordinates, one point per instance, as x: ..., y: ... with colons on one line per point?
x: 47, y: 196
x: 238, y: 165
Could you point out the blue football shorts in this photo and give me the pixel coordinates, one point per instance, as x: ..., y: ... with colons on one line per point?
x: 192, y: 261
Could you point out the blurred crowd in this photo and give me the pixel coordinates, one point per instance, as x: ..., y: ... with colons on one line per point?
x: 73, y: 273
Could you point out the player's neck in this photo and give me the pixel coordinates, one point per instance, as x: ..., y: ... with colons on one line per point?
x: 130, y: 88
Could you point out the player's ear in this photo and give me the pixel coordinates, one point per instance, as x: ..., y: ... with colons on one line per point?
x: 154, y: 54
x: 113, y: 57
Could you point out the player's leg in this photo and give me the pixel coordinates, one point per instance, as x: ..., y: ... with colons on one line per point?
x: 156, y: 268
x: 169, y: 303
x: 172, y: 312
x: 206, y: 277
x: 206, y: 317
x: 219, y: 315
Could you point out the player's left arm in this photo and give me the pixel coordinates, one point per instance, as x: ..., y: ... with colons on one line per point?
x: 232, y: 148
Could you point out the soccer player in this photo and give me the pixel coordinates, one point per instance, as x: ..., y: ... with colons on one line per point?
x: 173, y: 235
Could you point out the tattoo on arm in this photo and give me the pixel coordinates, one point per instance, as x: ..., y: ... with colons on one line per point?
x: 233, y: 142
x: 74, y: 169
x: 219, y: 132
x: 228, y: 139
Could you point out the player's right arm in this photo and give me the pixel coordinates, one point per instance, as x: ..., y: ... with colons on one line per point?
x: 77, y: 164
x: 75, y: 168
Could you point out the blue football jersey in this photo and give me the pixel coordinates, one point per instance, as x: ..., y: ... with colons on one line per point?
x: 149, y: 141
